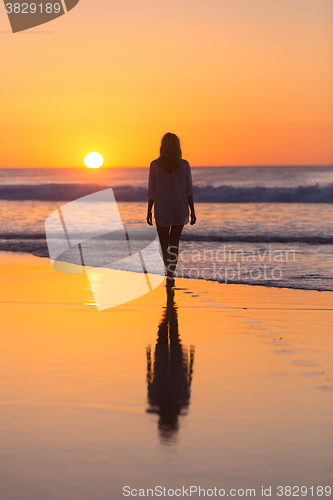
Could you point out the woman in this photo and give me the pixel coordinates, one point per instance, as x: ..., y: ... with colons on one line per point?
x: 170, y: 191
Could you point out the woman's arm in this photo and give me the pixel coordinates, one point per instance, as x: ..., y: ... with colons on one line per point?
x: 189, y: 188
x: 191, y: 205
x: 152, y: 182
x: 149, y: 213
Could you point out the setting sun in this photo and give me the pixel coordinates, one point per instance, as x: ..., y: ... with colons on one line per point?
x: 93, y: 160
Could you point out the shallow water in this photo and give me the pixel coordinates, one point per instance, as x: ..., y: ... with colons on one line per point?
x: 276, y: 244
x: 255, y: 225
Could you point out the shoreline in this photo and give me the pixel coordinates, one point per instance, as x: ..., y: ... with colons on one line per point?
x: 27, y: 269
x: 5, y: 254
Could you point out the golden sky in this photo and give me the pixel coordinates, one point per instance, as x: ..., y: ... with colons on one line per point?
x: 242, y: 82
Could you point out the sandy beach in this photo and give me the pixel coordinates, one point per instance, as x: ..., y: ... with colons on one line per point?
x: 74, y: 419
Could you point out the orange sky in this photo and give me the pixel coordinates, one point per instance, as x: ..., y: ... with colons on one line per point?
x: 241, y: 82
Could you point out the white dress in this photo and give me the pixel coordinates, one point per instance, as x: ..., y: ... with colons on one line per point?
x: 170, y: 192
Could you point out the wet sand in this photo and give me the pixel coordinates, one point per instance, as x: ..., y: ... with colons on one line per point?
x: 80, y: 420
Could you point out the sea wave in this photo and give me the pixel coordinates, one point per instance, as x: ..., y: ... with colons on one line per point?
x: 309, y: 266
x: 231, y: 237
x: 202, y: 194
x: 307, y: 282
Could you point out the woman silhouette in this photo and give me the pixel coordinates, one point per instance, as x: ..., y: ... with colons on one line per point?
x: 170, y: 191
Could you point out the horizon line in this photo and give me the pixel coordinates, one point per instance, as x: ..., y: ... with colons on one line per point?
x: 192, y: 166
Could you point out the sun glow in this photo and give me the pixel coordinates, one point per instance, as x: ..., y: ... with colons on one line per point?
x: 93, y: 160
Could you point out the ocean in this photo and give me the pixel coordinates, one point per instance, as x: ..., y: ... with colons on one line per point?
x: 269, y: 226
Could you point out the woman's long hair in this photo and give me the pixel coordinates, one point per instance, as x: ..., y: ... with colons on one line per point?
x: 170, y: 153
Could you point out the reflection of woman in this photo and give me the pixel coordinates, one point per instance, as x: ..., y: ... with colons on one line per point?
x: 169, y: 375
x: 170, y: 189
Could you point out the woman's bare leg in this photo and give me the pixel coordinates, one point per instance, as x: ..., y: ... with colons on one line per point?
x: 163, y: 235
x: 169, y: 241
x: 174, y: 238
